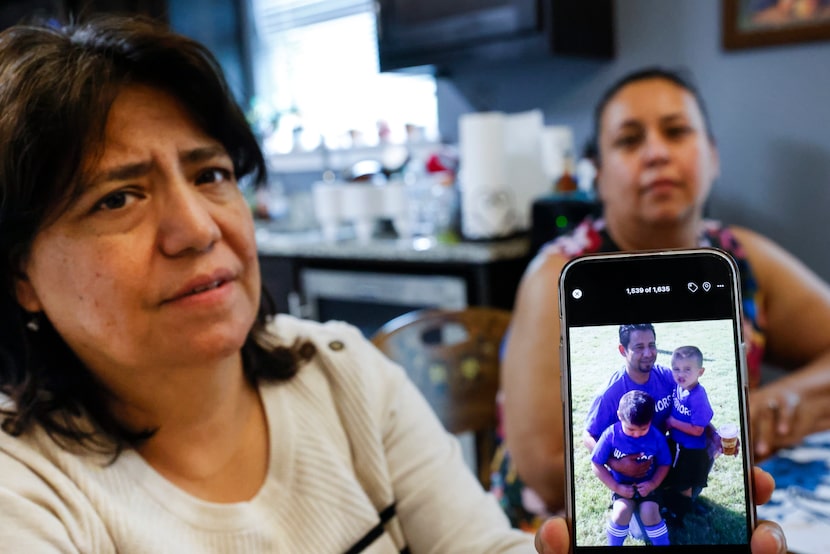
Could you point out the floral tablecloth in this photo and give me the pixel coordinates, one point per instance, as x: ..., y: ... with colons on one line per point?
x: 801, y: 501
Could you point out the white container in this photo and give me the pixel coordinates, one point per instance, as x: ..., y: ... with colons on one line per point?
x: 500, y: 172
x: 396, y: 207
x: 394, y: 199
x: 557, y: 143
x: 523, y: 147
x: 481, y: 146
x: 327, y: 199
x: 362, y: 204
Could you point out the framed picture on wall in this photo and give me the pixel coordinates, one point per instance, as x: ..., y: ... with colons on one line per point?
x: 754, y: 23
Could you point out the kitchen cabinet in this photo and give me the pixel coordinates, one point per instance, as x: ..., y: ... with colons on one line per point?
x: 445, y: 33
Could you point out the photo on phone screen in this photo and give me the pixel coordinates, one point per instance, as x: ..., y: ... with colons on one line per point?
x: 654, y: 395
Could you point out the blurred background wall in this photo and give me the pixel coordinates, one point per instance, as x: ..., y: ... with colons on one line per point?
x: 768, y: 105
x: 770, y: 110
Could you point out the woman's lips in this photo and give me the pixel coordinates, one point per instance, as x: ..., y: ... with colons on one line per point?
x: 208, y: 297
x: 201, y: 285
x: 661, y: 185
x: 203, y: 288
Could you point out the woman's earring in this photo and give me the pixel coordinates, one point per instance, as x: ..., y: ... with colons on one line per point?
x: 33, y: 324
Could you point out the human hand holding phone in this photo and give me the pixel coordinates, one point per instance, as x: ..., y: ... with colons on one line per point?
x: 553, y: 537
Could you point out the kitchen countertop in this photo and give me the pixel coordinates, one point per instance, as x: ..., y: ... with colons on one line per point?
x: 311, y: 244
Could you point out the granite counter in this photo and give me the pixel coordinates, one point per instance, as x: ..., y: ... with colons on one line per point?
x: 310, y: 244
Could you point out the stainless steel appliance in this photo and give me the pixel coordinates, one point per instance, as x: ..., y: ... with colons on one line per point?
x: 368, y: 299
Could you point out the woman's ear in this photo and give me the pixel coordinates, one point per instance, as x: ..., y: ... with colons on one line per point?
x: 26, y: 295
x: 597, y: 179
x: 714, y: 156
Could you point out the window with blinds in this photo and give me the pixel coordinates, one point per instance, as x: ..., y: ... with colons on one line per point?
x: 316, y: 73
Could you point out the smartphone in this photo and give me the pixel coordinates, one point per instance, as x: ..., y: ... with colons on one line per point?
x: 670, y: 464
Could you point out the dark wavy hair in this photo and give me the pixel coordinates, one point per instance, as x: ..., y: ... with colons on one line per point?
x: 636, y: 408
x: 681, y: 78
x: 626, y: 330
x: 57, y: 85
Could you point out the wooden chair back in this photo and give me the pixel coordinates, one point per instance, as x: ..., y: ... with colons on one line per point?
x: 452, y: 356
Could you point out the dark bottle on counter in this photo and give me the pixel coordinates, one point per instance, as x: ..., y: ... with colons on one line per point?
x: 566, y: 183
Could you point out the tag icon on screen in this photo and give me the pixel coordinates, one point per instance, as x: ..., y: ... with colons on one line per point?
x: 692, y: 286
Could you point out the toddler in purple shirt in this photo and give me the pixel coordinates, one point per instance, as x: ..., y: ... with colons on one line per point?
x: 634, y: 434
x: 690, y: 416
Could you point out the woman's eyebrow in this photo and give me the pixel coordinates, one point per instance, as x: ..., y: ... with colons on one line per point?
x: 202, y: 153
x: 134, y: 170
x: 668, y: 118
x: 629, y: 124
x: 120, y: 173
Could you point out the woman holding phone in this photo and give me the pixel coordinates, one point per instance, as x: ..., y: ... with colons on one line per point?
x: 656, y: 164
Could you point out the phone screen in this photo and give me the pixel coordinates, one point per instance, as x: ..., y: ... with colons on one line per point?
x: 656, y: 428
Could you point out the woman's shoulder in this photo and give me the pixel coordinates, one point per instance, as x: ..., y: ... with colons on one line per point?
x: 18, y: 447
x: 740, y: 241
x: 753, y: 242
x: 780, y: 273
x: 41, y: 502
x: 546, y: 266
x: 587, y: 237
x: 766, y: 258
x: 34, y: 463
x: 289, y: 328
x: 343, y: 353
x: 35, y: 445
x: 330, y: 336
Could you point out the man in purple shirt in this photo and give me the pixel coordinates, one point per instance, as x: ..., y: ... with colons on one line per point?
x: 639, y: 348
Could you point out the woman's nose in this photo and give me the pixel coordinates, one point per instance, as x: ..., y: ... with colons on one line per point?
x: 656, y: 148
x: 186, y: 223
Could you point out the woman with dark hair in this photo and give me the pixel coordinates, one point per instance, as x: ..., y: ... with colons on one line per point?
x: 150, y: 402
x: 656, y: 163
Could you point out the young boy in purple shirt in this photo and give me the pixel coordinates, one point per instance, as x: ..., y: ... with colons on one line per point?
x: 691, y: 414
x: 633, y: 434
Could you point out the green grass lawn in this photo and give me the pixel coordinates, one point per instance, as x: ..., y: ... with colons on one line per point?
x: 594, y: 357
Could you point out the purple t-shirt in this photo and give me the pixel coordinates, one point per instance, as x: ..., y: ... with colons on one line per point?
x: 691, y: 407
x: 603, y: 410
x: 614, y: 443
